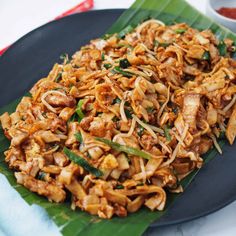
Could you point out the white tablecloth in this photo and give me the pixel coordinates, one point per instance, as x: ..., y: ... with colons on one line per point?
x: 17, y: 17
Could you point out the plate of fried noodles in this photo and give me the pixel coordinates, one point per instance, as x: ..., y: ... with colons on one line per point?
x: 118, y: 121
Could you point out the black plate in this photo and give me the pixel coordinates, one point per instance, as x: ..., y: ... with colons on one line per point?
x: 31, y: 58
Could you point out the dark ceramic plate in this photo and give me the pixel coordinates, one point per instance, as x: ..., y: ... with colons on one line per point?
x: 31, y: 58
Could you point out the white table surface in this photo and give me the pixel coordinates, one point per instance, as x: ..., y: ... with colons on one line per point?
x: 17, y: 218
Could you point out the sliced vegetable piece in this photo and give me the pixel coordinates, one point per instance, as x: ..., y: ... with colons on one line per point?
x: 126, y: 149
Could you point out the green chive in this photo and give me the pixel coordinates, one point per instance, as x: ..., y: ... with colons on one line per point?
x: 158, y: 44
x: 222, y: 48
x: 79, y: 137
x: 221, y: 135
x: 206, y: 56
x: 118, y: 70
x: 121, y: 45
x: 107, y: 66
x: 82, y: 162
x: 140, y: 130
x: 167, y: 133
x: 128, y: 114
x: 41, y: 175
x: 79, y: 110
x: 58, y: 77
x: 103, y: 56
x: 119, y: 187
x: 116, y: 100
x: 164, y: 45
x: 73, y: 118
x: 127, y: 103
x: 124, y: 63
x: 126, y: 149
x: 180, y: 31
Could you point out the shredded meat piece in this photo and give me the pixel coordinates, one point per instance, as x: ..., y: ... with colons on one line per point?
x: 61, y: 101
x: 51, y: 191
x: 147, y: 142
x: 85, y: 123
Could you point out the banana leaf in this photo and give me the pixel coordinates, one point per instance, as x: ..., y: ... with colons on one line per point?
x: 76, y: 223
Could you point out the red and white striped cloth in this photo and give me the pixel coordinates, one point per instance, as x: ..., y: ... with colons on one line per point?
x: 86, y: 5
